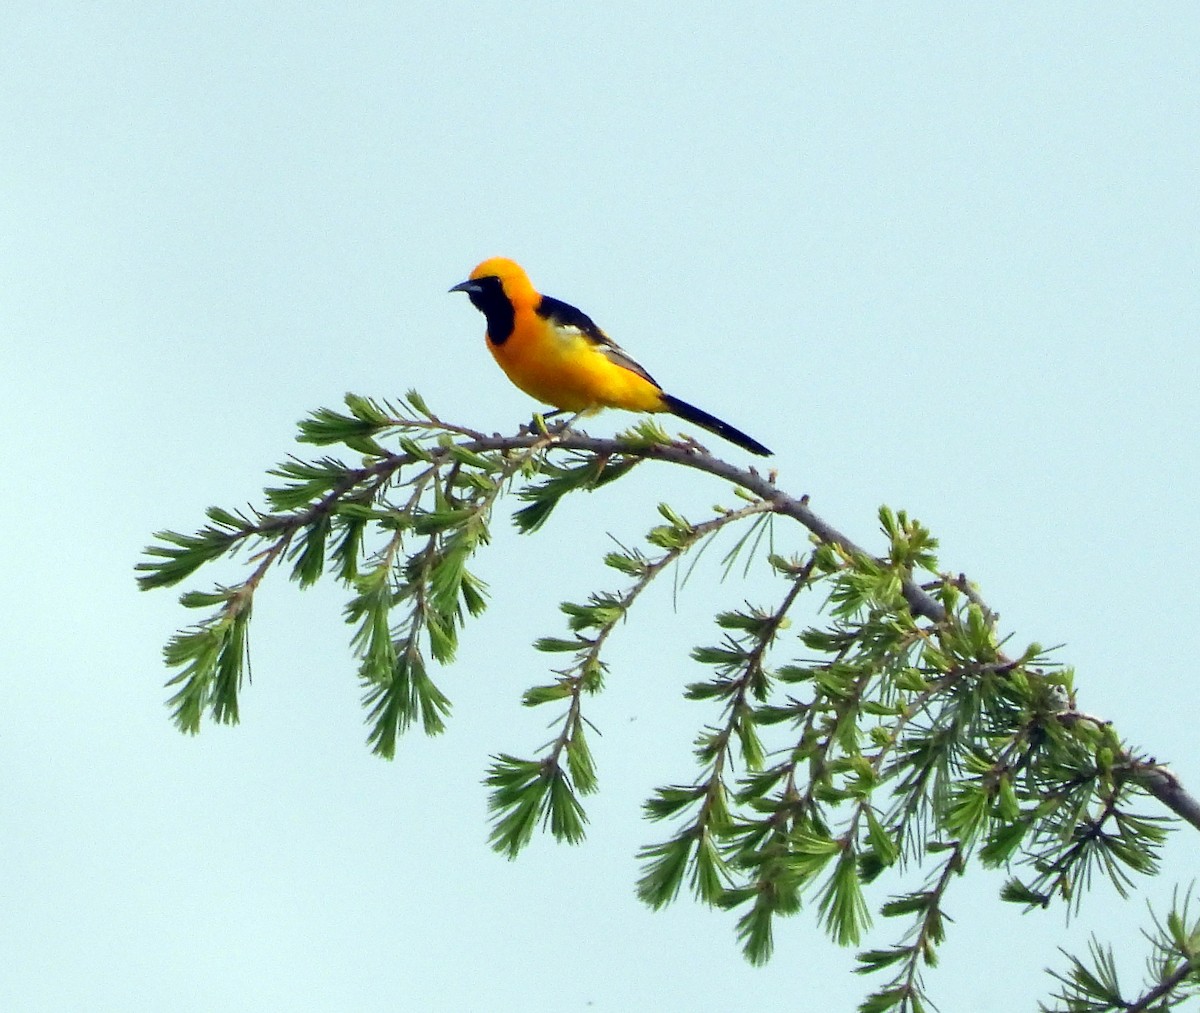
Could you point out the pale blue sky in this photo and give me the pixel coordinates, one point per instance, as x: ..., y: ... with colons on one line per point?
x: 936, y: 256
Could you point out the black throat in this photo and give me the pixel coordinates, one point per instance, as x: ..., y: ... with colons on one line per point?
x: 491, y: 301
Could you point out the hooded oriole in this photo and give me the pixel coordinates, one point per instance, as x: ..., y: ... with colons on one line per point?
x: 557, y: 354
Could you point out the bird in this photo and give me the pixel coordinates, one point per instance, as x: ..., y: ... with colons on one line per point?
x: 556, y: 353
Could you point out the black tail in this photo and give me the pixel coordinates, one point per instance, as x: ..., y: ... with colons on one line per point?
x: 692, y: 414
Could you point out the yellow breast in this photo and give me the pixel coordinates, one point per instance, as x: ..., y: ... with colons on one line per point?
x: 561, y: 367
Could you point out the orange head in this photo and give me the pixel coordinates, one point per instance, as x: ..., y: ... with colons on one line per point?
x: 500, y: 273
x: 500, y: 289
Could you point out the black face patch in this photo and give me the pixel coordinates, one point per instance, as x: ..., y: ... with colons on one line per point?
x: 491, y: 301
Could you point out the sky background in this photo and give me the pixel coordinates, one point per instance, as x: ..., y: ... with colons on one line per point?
x: 941, y: 257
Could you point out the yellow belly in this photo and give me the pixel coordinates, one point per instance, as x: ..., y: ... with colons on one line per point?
x: 569, y: 372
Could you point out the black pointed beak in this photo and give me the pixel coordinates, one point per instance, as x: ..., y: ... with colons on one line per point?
x: 470, y: 287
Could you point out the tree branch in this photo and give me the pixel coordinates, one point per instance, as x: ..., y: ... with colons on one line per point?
x: 1162, y: 783
x: 696, y: 457
x: 1156, y: 779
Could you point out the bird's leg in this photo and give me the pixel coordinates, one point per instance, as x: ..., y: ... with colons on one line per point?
x: 540, y: 419
x: 565, y: 427
x: 539, y: 422
x: 536, y: 426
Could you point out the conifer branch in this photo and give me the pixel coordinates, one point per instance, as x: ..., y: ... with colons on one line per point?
x: 907, y: 727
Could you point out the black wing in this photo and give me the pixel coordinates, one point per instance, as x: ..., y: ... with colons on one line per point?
x: 565, y: 315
